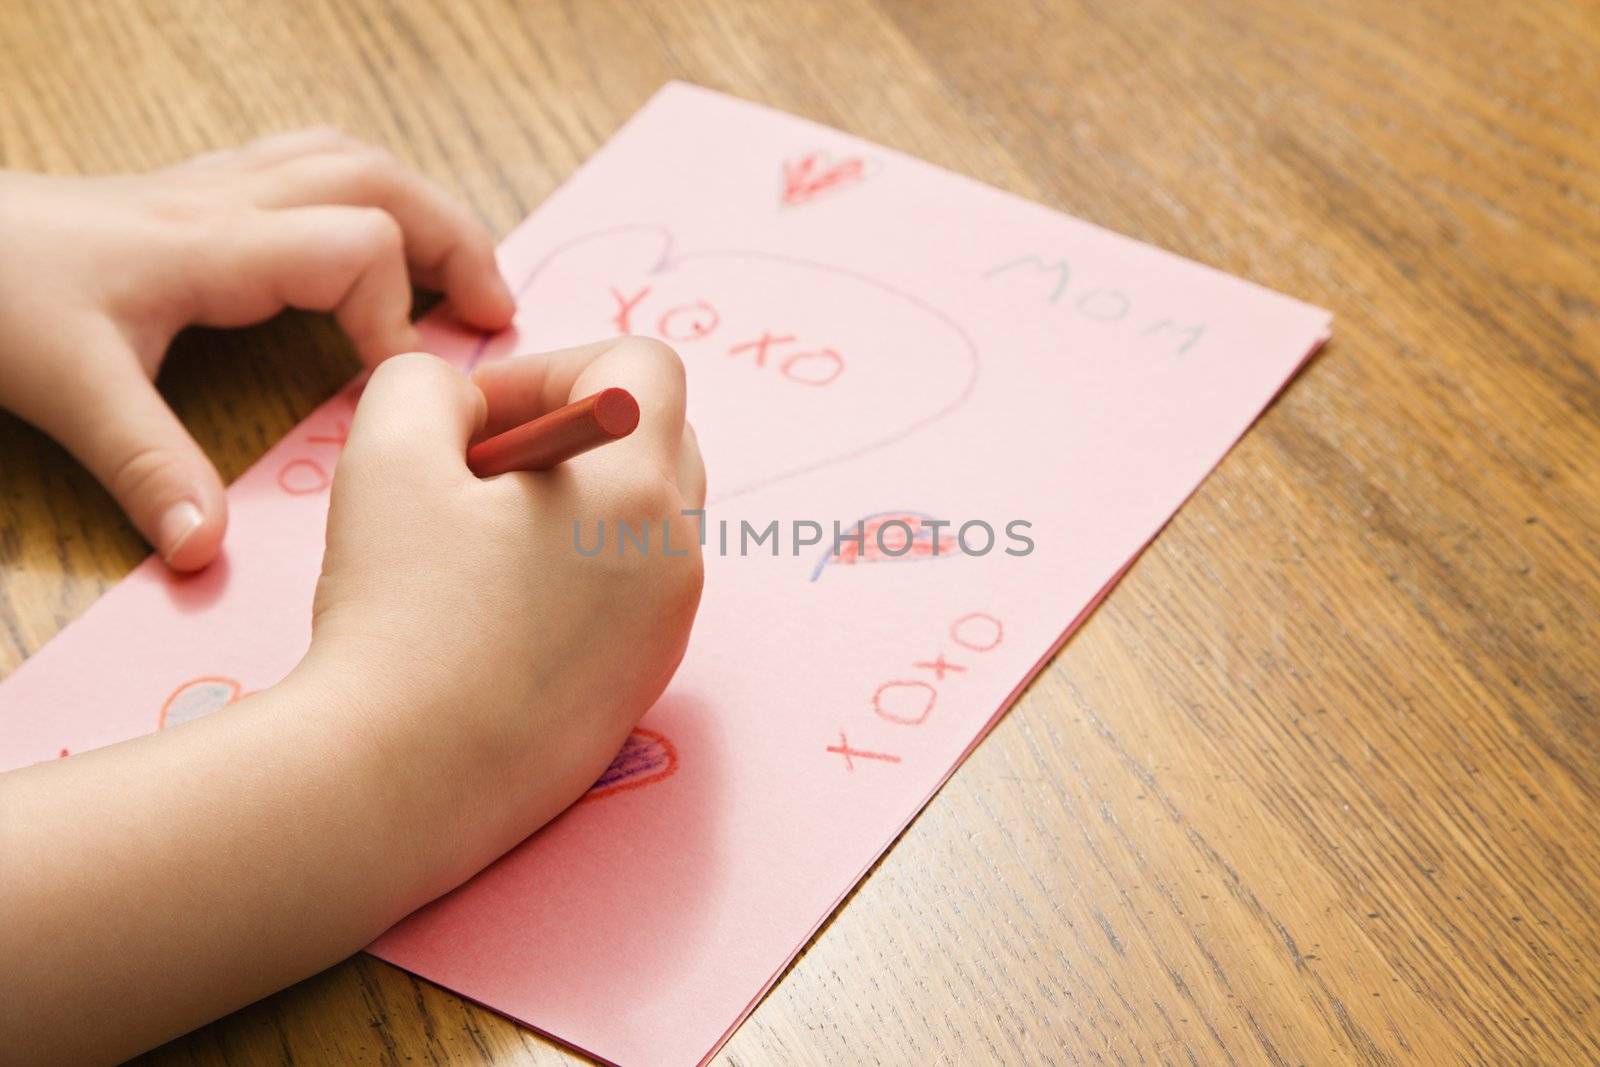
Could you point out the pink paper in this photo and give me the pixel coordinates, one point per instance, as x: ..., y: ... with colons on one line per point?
x: 868, y: 338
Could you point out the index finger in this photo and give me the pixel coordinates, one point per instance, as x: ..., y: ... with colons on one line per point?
x: 448, y: 248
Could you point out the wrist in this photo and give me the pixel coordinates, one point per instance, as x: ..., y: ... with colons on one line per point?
x: 437, y: 785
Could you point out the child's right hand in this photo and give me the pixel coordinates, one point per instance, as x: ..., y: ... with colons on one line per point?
x: 470, y: 674
x: 456, y: 616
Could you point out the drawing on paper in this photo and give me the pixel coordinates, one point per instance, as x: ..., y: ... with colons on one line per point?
x: 647, y: 757
x: 779, y: 345
x: 808, y: 176
x: 198, y: 697
x: 886, y: 537
x: 910, y: 701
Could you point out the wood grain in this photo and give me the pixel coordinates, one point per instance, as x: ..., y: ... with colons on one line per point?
x: 1320, y: 781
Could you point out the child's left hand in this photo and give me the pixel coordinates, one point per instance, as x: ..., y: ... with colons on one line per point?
x: 97, y: 275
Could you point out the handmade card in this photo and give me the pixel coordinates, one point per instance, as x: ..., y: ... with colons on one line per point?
x: 939, y: 421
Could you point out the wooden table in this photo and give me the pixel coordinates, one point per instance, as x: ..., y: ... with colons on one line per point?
x: 1320, y: 782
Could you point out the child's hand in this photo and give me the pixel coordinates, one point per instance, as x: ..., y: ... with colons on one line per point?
x: 470, y: 674
x: 464, y: 604
x: 97, y: 275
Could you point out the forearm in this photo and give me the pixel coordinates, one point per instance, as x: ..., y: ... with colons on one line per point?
x: 152, y: 885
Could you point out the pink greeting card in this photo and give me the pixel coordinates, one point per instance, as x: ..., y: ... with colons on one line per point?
x: 996, y: 405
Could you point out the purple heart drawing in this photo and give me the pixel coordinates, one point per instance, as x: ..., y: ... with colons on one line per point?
x: 794, y: 365
x: 646, y: 757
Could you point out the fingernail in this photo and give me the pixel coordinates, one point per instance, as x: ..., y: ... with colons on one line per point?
x: 177, y: 524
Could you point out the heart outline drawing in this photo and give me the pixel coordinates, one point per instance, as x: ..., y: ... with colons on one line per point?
x: 669, y: 259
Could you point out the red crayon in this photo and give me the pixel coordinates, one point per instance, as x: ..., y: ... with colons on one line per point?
x: 558, y: 435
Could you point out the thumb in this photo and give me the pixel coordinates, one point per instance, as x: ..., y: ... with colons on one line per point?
x: 133, y: 443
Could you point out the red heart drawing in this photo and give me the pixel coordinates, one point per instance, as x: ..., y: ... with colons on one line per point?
x: 197, y: 697
x: 811, y: 175
x: 646, y: 757
x: 887, y: 537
